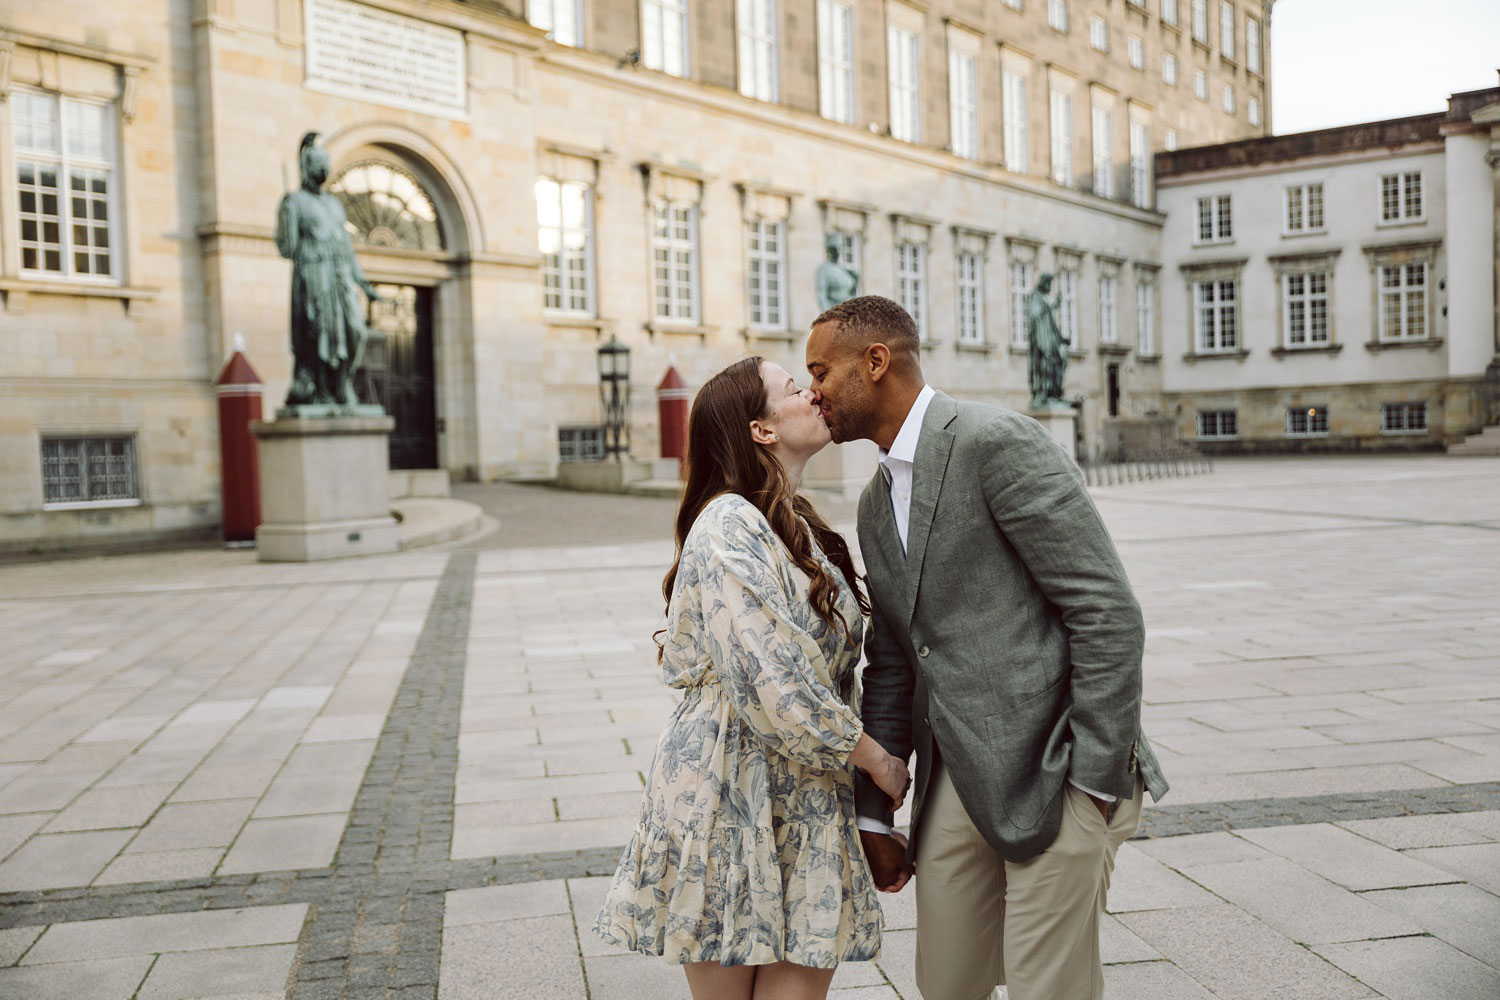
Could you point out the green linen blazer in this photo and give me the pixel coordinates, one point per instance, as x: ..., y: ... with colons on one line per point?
x: 1007, y: 638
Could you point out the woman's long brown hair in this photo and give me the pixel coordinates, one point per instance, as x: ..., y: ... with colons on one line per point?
x: 722, y: 458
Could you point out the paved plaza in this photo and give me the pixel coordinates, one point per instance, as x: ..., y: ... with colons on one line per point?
x: 412, y: 774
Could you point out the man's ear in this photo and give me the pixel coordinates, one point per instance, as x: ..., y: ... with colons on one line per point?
x: 760, y: 433
x: 877, y: 361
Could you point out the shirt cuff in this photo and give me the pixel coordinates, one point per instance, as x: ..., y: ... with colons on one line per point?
x: 1089, y: 791
x: 871, y: 825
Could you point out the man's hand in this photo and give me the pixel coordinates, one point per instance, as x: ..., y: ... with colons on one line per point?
x: 886, y: 853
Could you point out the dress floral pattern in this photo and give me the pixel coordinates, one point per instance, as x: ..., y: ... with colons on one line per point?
x: 747, y: 851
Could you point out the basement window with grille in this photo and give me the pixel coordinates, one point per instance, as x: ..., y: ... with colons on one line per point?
x: 89, y: 472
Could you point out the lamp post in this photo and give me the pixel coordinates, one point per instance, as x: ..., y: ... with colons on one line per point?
x: 614, y: 395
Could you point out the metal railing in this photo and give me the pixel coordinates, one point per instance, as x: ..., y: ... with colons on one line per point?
x: 1117, y: 469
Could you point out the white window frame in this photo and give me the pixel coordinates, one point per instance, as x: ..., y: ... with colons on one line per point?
x: 1145, y: 317
x: 836, y: 60
x: 1098, y: 34
x: 1229, y: 102
x: 657, y: 52
x: 562, y: 30
x: 1252, y: 110
x: 756, y: 33
x: 1200, y: 85
x: 911, y: 282
x: 1140, y: 163
x: 1057, y: 15
x: 963, y: 103
x: 1216, y: 326
x: 1313, y: 421
x: 1406, y: 182
x: 1299, y: 218
x: 1405, y: 423
x: 1169, y: 12
x: 851, y: 251
x: 1219, y: 219
x: 87, y: 463
x: 1169, y: 69
x: 1226, y: 30
x: 1213, y: 425
x: 904, y: 56
x: 1022, y: 278
x: 1103, y: 139
x: 1302, y: 303
x: 1252, y: 45
x: 1109, y: 309
x: 1169, y: 140
x: 1410, y: 297
x: 1200, y: 22
x: 1062, y: 136
x: 681, y: 256
x: 66, y: 162
x: 766, y: 274
x: 1135, y: 51
x: 1067, y: 308
x: 969, y: 268
x: 1014, y: 4
x: 1016, y: 126
x: 567, y: 268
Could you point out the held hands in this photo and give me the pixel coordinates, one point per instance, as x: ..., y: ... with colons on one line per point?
x: 886, y: 854
x: 888, y: 772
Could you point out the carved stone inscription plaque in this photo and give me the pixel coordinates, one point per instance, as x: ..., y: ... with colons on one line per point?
x: 373, y: 55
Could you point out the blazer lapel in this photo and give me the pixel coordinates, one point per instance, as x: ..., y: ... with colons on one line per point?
x: 933, y: 448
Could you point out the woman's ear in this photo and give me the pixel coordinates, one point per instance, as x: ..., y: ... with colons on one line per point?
x: 762, y: 434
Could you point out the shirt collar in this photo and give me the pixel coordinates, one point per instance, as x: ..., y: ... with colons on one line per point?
x: 904, y: 448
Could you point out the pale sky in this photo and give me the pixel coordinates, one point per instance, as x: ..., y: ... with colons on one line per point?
x: 1338, y: 62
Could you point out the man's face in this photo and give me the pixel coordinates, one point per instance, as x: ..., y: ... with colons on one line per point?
x: 842, y: 388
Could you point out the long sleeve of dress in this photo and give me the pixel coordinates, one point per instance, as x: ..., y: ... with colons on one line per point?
x: 765, y: 663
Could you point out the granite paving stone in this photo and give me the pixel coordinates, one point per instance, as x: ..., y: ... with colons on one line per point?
x: 109, y: 808
x: 632, y: 977
x: 87, y: 979
x: 1152, y: 981
x: 1346, y: 858
x: 178, y: 826
x: 479, y: 961
x: 155, y: 866
x: 214, y: 929
x: 54, y: 860
x: 1418, y: 968
x: 1465, y: 916
x: 219, y: 973
x: 505, y: 902
x: 285, y: 843
x: 1476, y: 863
x: 1141, y: 883
x: 1403, y: 832
x: 14, y: 942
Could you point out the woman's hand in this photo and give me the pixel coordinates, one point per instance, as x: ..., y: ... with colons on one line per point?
x: 888, y: 772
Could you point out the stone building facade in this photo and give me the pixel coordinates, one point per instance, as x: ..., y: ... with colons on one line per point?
x: 1335, y: 290
x: 525, y: 180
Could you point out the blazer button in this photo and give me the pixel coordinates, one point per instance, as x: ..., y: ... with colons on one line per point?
x: 922, y: 652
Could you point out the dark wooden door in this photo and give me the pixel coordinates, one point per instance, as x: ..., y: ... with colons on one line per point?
x: 398, y: 372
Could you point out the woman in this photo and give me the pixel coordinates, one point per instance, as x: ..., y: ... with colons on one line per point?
x: 746, y: 866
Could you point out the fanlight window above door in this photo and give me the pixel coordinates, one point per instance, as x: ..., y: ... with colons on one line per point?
x: 386, y: 207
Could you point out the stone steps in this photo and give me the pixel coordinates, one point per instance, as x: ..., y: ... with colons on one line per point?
x: 437, y: 520
x: 1486, y: 442
x: 671, y: 488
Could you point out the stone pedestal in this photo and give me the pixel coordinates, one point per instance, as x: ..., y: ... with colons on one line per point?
x: 324, y: 490
x: 1061, y: 422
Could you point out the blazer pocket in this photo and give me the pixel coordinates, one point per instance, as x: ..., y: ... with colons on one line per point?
x: 1028, y: 752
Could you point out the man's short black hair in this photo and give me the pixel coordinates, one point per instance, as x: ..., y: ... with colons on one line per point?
x: 873, y: 319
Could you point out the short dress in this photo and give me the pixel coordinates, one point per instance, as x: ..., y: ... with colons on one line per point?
x: 747, y: 851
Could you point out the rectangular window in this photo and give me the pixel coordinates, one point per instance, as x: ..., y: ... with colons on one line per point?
x: 674, y: 248
x: 1304, y: 306
x: 1401, y: 197
x: 1403, y: 302
x: 580, y: 444
x: 1200, y: 21
x: 1169, y: 12
x: 1217, y: 314
x: 1104, y: 164
x: 757, y: 30
x: 1200, y: 85
x: 1013, y: 4
x: 565, y: 232
x: 1304, y: 208
x: 1307, y: 421
x: 1403, y: 418
x: 1021, y: 278
x: 849, y: 251
x: 65, y: 173
x: 1099, y: 34
x: 1013, y: 89
x: 1109, y: 325
x: 1062, y: 138
x: 906, y: 96
x: 1057, y: 14
x: 1135, y: 49
x: 1215, y: 219
x: 1067, y: 309
x: 1169, y: 69
x: 1169, y: 139
x: 1229, y: 98
x: 836, y: 61
x: 1140, y: 164
x: 560, y: 19
x: 664, y: 38
x: 1218, y: 423
x: 1145, y: 319
x: 1226, y: 29
x: 1252, y: 45
x: 911, y: 282
x: 89, y: 470
x: 1252, y: 110
x: 766, y: 256
x: 963, y: 106
x: 970, y: 298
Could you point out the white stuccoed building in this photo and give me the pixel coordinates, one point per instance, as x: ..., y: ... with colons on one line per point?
x: 1334, y: 290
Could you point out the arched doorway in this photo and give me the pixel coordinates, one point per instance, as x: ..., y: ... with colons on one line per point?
x: 388, y: 211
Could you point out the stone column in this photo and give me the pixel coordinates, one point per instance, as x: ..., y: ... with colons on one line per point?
x: 1490, y: 115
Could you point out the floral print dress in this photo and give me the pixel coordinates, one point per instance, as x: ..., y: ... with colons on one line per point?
x: 747, y: 851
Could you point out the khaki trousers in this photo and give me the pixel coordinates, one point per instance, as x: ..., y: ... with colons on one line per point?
x: 983, y: 921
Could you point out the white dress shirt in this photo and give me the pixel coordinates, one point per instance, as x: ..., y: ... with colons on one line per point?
x: 898, y: 466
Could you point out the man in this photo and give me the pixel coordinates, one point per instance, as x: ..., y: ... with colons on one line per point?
x: 1005, y: 650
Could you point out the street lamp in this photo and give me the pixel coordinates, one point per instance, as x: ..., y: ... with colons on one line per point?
x: 614, y: 395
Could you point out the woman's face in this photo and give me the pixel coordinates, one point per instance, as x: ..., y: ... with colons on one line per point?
x: 792, y: 425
